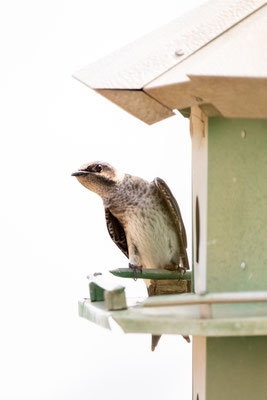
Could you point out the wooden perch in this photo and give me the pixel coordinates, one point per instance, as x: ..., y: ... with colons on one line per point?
x: 158, y: 274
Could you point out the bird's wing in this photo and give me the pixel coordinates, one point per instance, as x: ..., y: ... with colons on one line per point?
x: 174, y: 209
x: 116, y: 232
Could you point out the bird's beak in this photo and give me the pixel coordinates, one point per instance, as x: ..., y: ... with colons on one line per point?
x: 79, y: 173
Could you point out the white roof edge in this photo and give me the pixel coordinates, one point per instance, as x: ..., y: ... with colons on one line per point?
x: 142, y: 61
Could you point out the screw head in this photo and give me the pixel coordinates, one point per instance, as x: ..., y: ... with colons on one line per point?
x: 243, y: 265
x: 179, y: 53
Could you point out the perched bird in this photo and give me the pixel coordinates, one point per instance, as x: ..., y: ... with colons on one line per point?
x: 143, y: 218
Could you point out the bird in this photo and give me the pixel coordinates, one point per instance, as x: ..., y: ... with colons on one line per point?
x: 143, y: 218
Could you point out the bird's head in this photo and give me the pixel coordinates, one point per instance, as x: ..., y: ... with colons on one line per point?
x: 99, y: 177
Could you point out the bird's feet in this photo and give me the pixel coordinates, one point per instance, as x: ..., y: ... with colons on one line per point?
x: 135, y: 270
x: 181, y: 271
x: 176, y: 268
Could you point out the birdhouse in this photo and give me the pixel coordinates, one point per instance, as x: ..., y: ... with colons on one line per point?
x: 211, y: 65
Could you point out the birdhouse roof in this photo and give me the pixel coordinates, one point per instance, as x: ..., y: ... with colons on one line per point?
x: 214, y: 56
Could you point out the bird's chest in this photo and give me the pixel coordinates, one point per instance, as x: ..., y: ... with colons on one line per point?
x: 151, y: 237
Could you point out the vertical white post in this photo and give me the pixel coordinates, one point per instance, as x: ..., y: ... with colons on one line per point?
x: 199, y: 134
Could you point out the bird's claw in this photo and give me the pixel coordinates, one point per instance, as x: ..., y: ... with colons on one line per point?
x: 135, y: 270
x: 181, y: 271
x: 177, y: 268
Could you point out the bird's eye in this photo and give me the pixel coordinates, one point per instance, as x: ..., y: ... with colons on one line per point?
x: 98, y: 168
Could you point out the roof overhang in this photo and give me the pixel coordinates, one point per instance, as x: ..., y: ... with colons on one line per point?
x: 215, y: 57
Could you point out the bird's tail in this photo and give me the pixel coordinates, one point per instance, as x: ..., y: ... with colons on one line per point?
x: 153, y: 289
x: 154, y: 341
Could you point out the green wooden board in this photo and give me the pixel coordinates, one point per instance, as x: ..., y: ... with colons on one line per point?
x: 236, y: 368
x: 237, y: 205
x: 227, y: 319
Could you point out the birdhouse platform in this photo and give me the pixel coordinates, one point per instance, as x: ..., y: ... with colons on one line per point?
x: 210, y: 314
x: 215, y: 314
x: 211, y: 66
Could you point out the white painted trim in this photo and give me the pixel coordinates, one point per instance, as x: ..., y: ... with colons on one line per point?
x: 199, y: 134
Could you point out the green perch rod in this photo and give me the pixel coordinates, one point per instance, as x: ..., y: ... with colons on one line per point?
x: 151, y: 274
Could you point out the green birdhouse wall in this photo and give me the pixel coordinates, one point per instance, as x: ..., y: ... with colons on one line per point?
x: 229, y: 203
x: 237, y: 204
x: 230, y: 218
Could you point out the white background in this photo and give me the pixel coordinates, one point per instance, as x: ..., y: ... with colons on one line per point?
x: 53, y: 230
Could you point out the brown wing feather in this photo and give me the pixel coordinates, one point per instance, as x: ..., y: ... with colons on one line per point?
x: 116, y: 232
x: 174, y: 209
